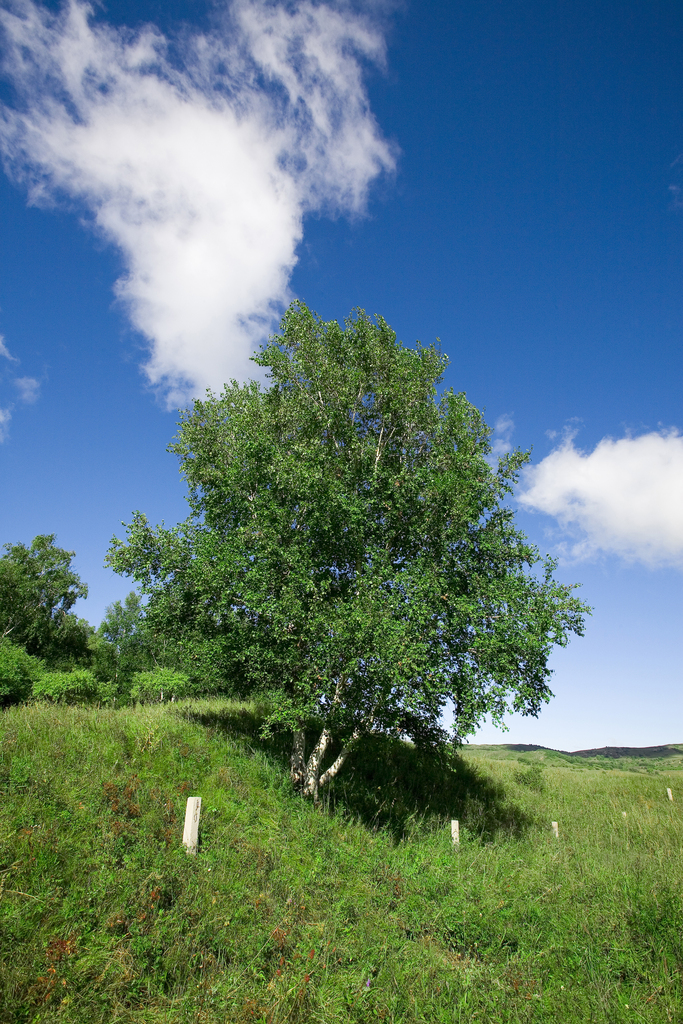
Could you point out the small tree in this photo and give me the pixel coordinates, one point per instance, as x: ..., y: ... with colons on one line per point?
x: 38, y: 589
x: 349, y: 550
x: 126, y: 648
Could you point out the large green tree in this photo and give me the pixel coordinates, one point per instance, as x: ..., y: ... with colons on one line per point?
x: 350, y: 550
x: 38, y: 589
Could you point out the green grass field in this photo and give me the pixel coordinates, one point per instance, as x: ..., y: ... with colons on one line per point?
x: 361, y: 910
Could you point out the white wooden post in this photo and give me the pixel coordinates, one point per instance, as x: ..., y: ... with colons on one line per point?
x: 191, y: 830
x: 669, y: 793
x: 623, y: 814
x: 455, y: 831
x: 555, y: 829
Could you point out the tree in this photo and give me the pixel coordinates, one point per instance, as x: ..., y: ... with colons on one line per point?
x: 349, y: 551
x: 38, y: 588
x: 18, y: 672
x: 127, y: 648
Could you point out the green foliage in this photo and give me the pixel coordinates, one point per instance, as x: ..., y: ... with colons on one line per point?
x: 161, y: 684
x: 123, y: 644
x: 349, y: 551
x: 287, y: 913
x: 531, y: 777
x: 38, y: 588
x: 18, y: 672
x: 78, y: 686
x: 103, y: 660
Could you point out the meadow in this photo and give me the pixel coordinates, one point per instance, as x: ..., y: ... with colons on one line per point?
x: 359, y: 910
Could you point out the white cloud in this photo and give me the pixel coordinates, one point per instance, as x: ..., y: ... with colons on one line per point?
x: 5, y: 417
x: 4, y: 351
x: 199, y: 170
x: 28, y: 388
x: 501, y: 439
x: 625, y: 497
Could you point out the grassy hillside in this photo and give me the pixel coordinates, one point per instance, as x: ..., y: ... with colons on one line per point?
x: 663, y: 758
x: 359, y: 911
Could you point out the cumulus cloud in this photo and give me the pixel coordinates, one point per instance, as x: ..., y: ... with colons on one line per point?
x: 198, y: 158
x: 28, y: 388
x: 625, y: 497
x: 4, y: 351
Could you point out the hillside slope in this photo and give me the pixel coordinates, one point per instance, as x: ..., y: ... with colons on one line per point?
x: 361, y: 910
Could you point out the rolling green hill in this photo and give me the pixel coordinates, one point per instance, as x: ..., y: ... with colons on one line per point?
x: 359, y: 910
x: 662, y: 758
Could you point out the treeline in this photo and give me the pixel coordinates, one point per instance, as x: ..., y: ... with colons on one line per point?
x: 48, y: 652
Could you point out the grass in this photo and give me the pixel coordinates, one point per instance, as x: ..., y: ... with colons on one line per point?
x: 359, y: 911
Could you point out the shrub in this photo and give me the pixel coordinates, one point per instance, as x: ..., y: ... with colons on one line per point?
x: 18, y: 672
x: 76, y: 687
x: 532, y: 778
x: 161, y: 684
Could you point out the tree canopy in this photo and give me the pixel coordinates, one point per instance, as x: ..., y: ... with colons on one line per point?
x: 349, y: 550
x: 126, y: 648
x: 38, y: 589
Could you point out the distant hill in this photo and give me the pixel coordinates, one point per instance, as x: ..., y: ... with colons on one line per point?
x: 668, y: 750
x: 615, y: 757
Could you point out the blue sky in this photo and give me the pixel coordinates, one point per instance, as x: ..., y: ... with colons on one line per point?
x: 508, y: 178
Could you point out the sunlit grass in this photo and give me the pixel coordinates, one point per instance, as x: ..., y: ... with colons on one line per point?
x: 357, y: 911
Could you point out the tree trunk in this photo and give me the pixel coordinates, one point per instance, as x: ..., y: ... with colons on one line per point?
x: 297, y: 762
x: 308, y: 775
x: 313, y: 765
x: 315, y: 779
x: 330, y: 773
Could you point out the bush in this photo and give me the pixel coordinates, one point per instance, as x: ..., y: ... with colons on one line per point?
x: 532, y: 778
x: 76, y: 687
x: 18, y: 672
x: 161, y: 684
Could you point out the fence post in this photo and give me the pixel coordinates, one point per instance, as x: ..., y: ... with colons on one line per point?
x: 191, y: 830
x: 555, y: 829
x: 669, y: 793
x: 455, y: 831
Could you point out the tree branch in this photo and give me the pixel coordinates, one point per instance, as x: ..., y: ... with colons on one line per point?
x: 336, y: 767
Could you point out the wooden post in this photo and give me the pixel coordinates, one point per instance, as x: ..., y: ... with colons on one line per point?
x: 669, y: 793
x: 455, y: 831
x: 555, y: 829
x: 623, y: 814
x: 191, y: 830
